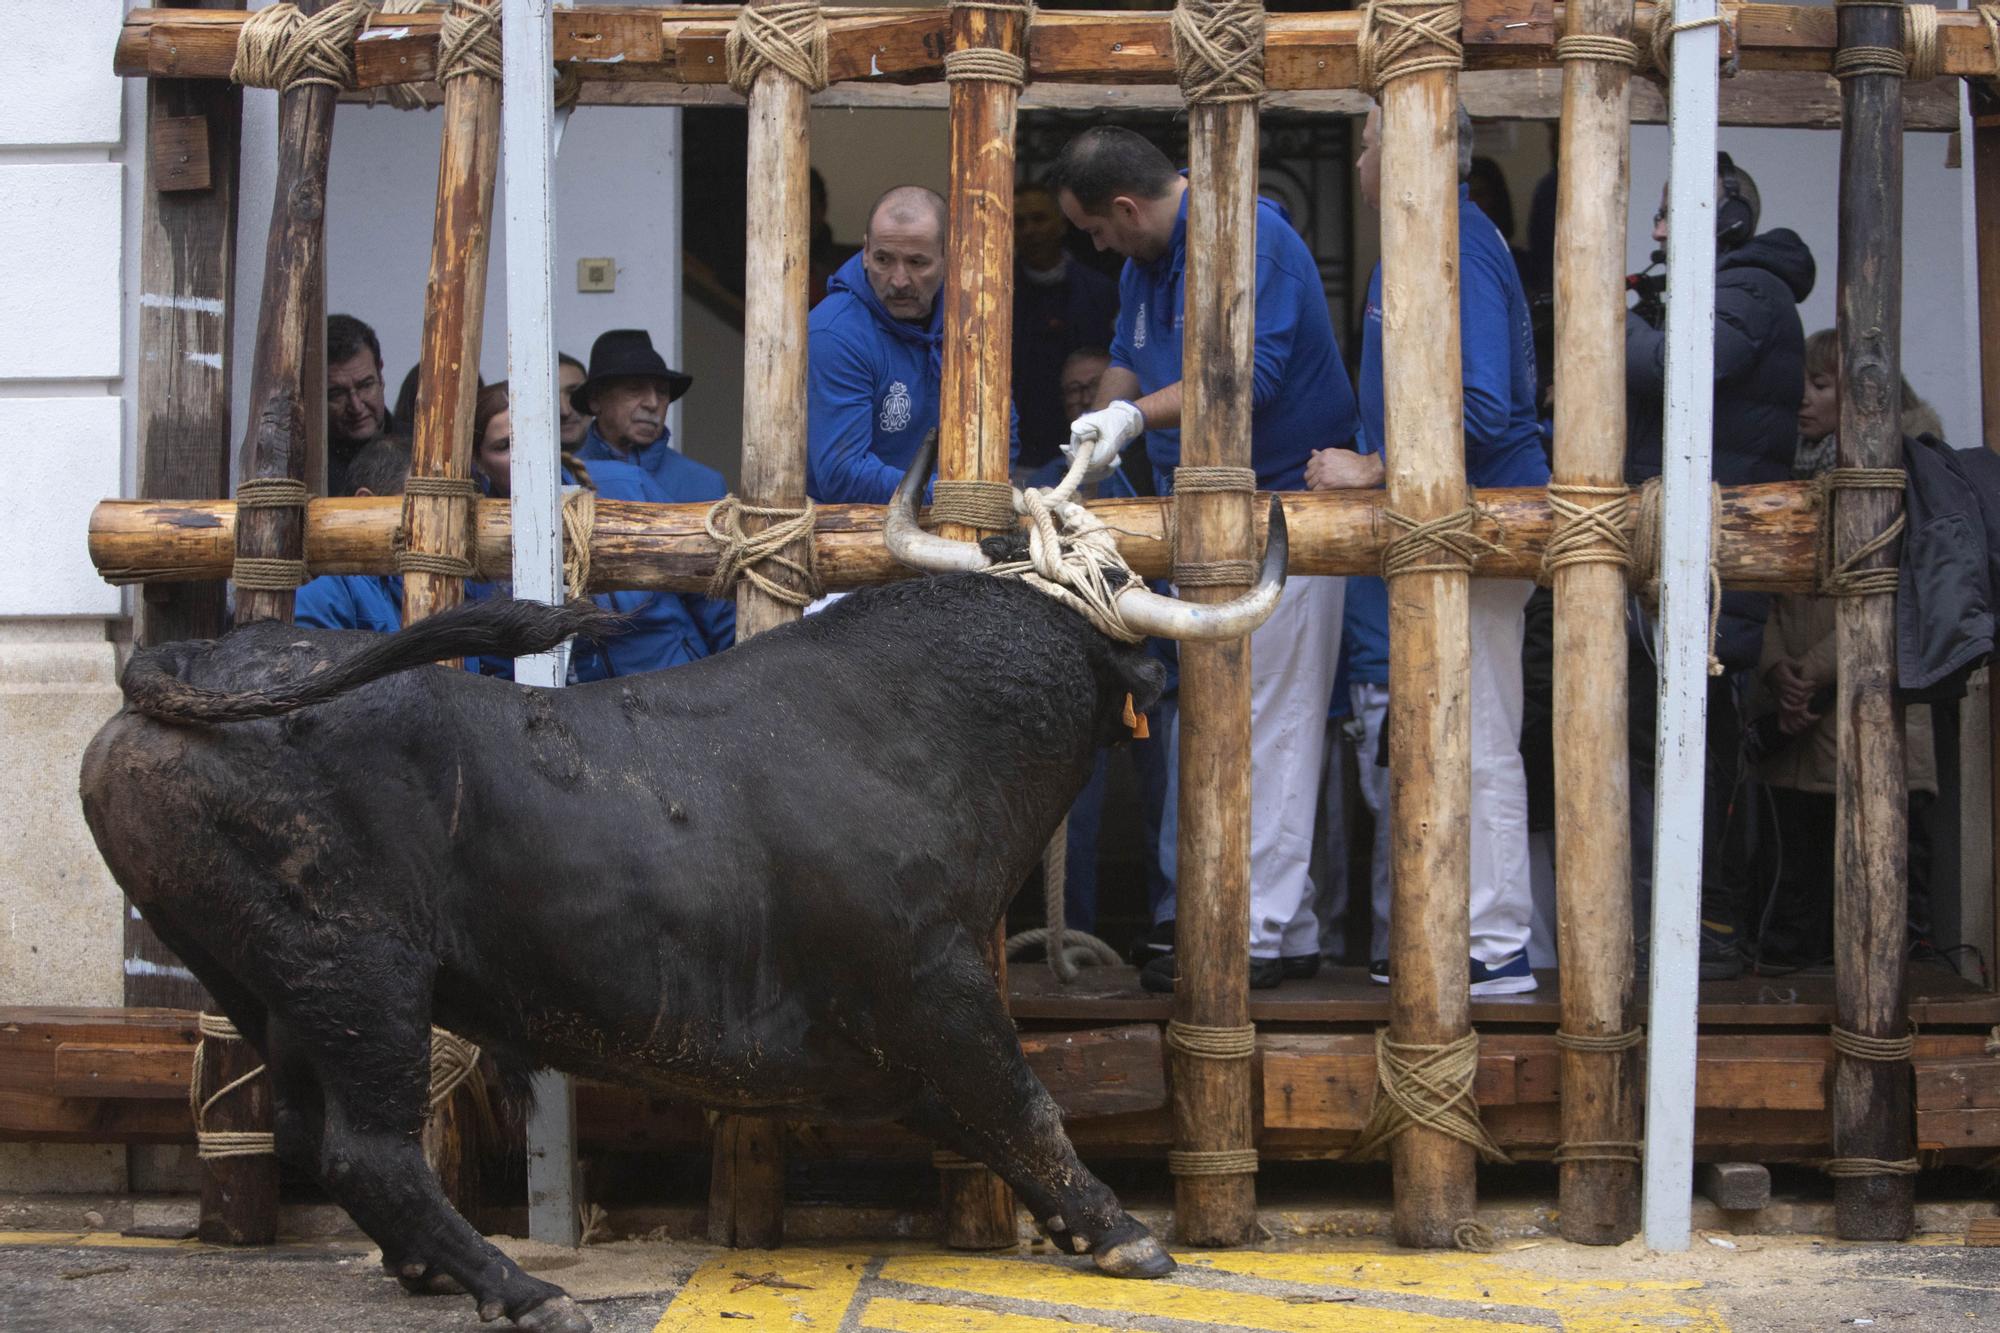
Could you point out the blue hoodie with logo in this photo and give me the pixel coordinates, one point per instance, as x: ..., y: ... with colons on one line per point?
x: 1300, y: 396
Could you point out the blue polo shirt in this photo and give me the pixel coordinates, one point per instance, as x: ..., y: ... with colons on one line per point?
x: 1300, y: 396
x: 1503, y: 428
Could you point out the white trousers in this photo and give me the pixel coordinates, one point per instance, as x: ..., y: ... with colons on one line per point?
x: 1292, y: 659
x: 1371, y: 709
x: 1502, y: 891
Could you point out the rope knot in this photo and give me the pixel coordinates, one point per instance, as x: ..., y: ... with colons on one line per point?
x: 742, y: 553
x: 1400, y: 37
x: 1219, y: 50
x: 469, y: 42
x: 1443, y: 545
x: 1843, y: 576
x: 1430, y: 1085
x: 788, y: 37
x: 1587, y: 533
x: 281, y: 48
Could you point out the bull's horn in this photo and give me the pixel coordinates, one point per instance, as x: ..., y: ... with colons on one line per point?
x: 1171, y: 618
x: 906, y: 538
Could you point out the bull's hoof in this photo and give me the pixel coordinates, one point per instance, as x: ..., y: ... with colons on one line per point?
x: 1141, y: 1256
x: 557, y: 1314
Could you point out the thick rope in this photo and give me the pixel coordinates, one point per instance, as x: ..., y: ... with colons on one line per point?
x: 1841, y: 577
x: 986, y: 505
x: 469, y: 42
x: 268, y: 573
x: 211, y: 1144
x: 1587, y: 533
x: 1210, y: 480
x: 1055, y: 901
x: 1401, y: 37
x: 579, y: 519
x: 788, y: 38
x: 1081, y: 948
x: 1469, y: 1233
x: 1073, y: 557
x: 1887, y: 1050
x: 1214, y: 480
x: 1443, y: 545
x: 1428, y: 1085
x: 1212, y: 1162
x: 1219, y: 50
x: 1587, y: 1041
x: 453, y: 1061
x: 1660, y: 38
x: 742, y: 554
x: 1598, y: 46
x: 1852, y: 1168
x: 1920, y: 42
x: 437, y: 562
x: 1646, y: 539
x: 985, y: 64
x: 1212, y: 1043
x: 281, y: 48
x: 271, y: 493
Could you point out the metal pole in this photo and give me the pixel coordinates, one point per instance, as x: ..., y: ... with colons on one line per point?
x: 528, y: 154
x: 1681, y: 761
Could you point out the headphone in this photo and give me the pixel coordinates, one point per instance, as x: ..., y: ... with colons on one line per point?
x: 1735, y: 215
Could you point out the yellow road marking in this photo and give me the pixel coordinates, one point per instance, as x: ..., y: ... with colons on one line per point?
x: 722, y: 1296
x: 96, y: 1240
x: 901, y: 1316
x: 1086, y: 1292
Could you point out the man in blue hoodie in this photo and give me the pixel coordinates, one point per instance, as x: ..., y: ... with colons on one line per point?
x: 875, y: 353
x: 1503, y: 447
x: 1124, y: 193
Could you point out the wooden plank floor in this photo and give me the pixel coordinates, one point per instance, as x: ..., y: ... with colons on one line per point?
x: 1938, y: 997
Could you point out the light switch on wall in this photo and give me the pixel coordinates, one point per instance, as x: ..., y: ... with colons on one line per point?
x: 596, y: 275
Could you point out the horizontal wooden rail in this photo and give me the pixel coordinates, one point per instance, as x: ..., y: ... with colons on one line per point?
x: 1767, y: 540
x: 684, y: 45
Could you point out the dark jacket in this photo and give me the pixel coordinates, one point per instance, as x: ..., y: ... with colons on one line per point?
x: 1760, y: 359
x: 1949, y: 567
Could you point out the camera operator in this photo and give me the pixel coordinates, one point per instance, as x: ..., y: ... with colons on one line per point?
x: 1759, y: 378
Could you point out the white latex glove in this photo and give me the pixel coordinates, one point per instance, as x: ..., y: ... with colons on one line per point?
x: 1105, y: 433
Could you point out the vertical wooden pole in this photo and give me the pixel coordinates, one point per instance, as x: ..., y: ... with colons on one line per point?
x: 1429, y: 629
x: 1872, y: 1109
x: 439, y: 525
x: 187, y: 275
x: 973, y: 405
x: 239, y: 1195
x: 746, y: 1196
x: 279, y: 407
x: 1212, y: 1098
x: 1600, y: 1103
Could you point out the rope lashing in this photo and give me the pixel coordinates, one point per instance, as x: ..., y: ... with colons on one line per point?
x: 1212, y: 1161
x: 988, y: 64
x: 1219, y: 50
x: 1591, y: 1041
x: 1587, y: 533
x: 986, y: 505
x: 1853, y: 1168
x: 1645, y: 578
x: 788, y: 38
x: 579, y: 519
x: 1660, y: 38
x: 268, y: 573
x: 271, y: 493
x: 453, y: 1061
x: 211, y: 1144
x: 1215, y: 479
x: 742, y: 554
x: 1598, y: 46
x: 1074, y: 558
x: 1860, y: 1046
x: 1429, y: 1085
x: 1841, y: 576
x: 469, y: 42
x: 463, y: 566
x: 1212, y: 1043
x: 1443, y: 545
x: 1469, y: 1233
x: 1400, y: 37
x: 1920, y: 42
x: 1917, y: 58
x: 281, y: 48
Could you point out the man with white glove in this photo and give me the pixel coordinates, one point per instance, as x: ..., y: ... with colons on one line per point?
x: 1124, y: 193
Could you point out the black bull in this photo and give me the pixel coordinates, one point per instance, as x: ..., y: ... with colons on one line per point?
x: 761, y: 881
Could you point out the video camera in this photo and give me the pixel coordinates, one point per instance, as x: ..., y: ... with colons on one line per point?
x: 1651, y: 286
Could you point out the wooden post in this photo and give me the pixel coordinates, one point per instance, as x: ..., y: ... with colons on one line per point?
x: 746, y: 1194
x: 239, y: 1195
x: 279, y: 407
x: 1429, y: 628
x: 1600, y: 1103
x: 439, y: 520
x: 1872, y: 1110
x: 1212, y: 1106
x: 975, y: 397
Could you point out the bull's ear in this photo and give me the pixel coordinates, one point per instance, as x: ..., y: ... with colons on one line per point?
x: 1142, y: 674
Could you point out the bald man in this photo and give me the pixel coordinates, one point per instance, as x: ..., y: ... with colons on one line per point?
x: 876, y: 353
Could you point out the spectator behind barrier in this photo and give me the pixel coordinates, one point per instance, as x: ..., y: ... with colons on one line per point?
x: 628, y: 388
x: 361, y: 601
x: 1059, y: 306
x: 355, y: 414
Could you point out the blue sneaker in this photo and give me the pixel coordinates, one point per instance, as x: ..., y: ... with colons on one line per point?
x: 1510, y: 977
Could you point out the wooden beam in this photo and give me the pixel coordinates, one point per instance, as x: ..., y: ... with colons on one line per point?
x: 1767, y: 539
x: 1599, y: 1194
x: 1871, y: 1097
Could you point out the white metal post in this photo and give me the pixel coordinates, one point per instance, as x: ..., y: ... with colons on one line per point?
x: 528, y: 155
x: 1680, y: 765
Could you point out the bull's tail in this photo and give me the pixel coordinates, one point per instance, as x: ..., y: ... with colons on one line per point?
x: 154, y: 686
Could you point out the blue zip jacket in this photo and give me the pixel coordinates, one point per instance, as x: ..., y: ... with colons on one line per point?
x: 351, y: 601
x: 1364, y: 630
x: 1300, y: 396
x: 871, y: 391
x: 659, y: 460
x: 1503, y: 429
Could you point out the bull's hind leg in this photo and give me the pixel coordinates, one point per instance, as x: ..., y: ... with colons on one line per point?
x: 981, y: 1099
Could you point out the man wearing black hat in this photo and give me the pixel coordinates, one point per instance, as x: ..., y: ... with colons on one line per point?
x: 628, y: 390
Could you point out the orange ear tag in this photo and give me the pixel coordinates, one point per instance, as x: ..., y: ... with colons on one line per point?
x: 1136, y: 720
